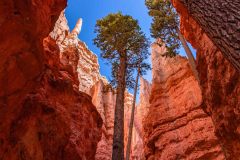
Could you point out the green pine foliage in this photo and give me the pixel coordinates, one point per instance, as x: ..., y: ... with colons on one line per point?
x: 120, y: 35
x: 164, y: 24
x: 125, y: 46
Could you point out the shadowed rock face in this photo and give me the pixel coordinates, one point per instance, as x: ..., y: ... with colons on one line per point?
x: 176, y: 127
x: 23, y: 27
x: 220, y: 81
x: 42, y: 113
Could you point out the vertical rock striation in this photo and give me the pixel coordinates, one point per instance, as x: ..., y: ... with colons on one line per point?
x: 42, y: 113
x: 105, y: 99
x: 220, y: 81
x: 145, y: 92
x: 176, y: 127
x: 141, y: 112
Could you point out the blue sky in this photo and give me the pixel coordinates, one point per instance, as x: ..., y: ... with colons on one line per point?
x: 92, y: 10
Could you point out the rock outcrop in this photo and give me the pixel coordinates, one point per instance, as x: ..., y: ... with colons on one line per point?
x: 176, y: 127
x: 42, y: 113
x: 220, y: 81
x: 87, y: 66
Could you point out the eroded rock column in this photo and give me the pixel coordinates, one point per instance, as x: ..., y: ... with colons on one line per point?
x: 176, y: 127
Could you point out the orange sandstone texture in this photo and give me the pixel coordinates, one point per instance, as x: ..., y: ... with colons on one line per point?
x: 104, y: 99
x: 176, y: 127
x: 144, y: 93
x: 140, y: 112
x: 42, y: 113
x: 220, y: 83
x: 86, y: 65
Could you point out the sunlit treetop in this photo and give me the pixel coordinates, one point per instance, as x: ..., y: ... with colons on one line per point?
x: 164, y: 24
x: 121, y: 36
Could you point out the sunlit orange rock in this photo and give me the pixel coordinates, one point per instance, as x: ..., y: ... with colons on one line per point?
x: 140, y: 113
x: 220, y: 82
x: 144, y: 96
x: 104, y: 98
x: 86, y: 65
x: 175, y: 126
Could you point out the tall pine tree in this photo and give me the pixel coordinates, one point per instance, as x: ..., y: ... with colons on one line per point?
x: 165, y: 26
x: 121, y: 41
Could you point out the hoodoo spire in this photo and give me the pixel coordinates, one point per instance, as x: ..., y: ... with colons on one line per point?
x: 77, y: 28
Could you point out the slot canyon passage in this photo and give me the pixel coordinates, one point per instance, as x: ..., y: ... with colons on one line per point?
x: 53, y: 99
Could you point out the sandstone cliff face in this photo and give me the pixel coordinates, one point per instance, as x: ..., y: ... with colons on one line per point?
x: 176, y: 127
x: 87, y: 66
x: 60, y: 31
x: 105, y: 100
x: 75, y: 53
x: 220, y: 83
x: 145, y: 92
x: 42, y: 113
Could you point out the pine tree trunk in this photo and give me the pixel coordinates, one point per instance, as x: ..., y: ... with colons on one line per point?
x: 129, y: 140
x: 118, y: 136
x: 220, y: 21
x: 189, y: 55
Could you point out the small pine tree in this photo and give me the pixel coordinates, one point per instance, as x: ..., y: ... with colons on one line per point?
x: 121, y: 41
x: 165, y: 22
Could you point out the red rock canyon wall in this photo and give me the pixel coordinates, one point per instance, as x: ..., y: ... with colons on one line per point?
x: 176, y: 127
x: 42, y: 113
x: 104, y: 100
x: 220, y: 81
